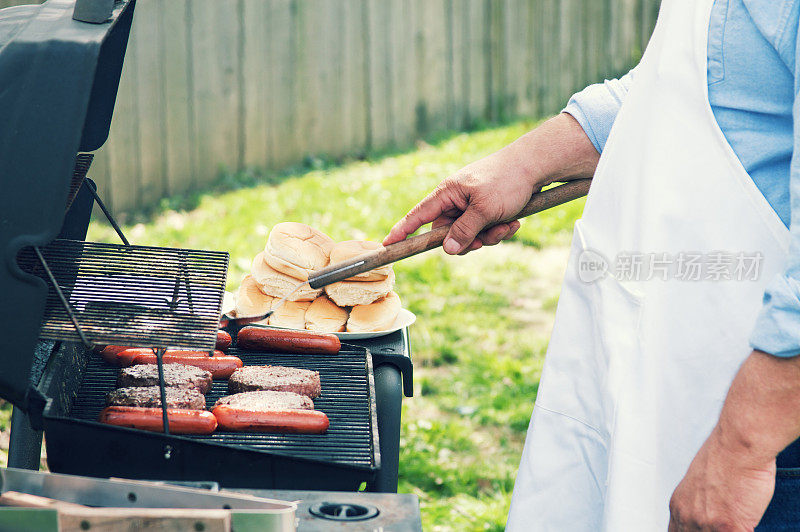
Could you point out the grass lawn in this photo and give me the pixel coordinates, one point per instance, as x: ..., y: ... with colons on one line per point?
x: 483, y: 320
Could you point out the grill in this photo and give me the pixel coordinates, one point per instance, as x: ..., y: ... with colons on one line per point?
x: 62, y: 295
x: 348, y: 395
x: 347, y: 455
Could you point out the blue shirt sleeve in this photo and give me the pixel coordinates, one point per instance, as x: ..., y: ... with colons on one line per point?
x: 596, y: 107
x: 777, y: 329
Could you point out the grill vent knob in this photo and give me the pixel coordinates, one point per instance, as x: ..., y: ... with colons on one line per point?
x: 338, y: 511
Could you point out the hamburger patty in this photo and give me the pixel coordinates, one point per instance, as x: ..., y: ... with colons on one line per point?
x: 175, y: 376
x: 150, y: 397
x: 275, y: 378
x: 265, y: 401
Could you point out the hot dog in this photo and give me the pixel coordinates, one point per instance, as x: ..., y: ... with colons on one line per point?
x: 128, y: 356
x: 110, y: 352
x: 180, y: 421
x: 282, y: 421
x: 223, y: 340
x: 260, y: 339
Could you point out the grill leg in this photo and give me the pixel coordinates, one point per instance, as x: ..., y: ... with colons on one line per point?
x: 25, y: 445
x: 388, y: 399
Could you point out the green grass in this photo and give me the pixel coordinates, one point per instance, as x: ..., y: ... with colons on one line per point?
x: 5, y: 422
x: 483, y: 319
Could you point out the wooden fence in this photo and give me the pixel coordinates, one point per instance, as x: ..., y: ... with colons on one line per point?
x: 220, y: 85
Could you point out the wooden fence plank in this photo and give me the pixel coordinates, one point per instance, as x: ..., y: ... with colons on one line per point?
x: 256, y: 79
x: 459, y: 63
x: 147, y: 41
x: 475, y: 28
x: 403, y: 75
x: 379, y: 82
x: 307, y: 132
x: 335, y: 144
x: 354, y: 119
x: 283, y: 102
x: 215, y: 34
x: 179, y: 133
x: 431, y: 66
x: 123, y: 143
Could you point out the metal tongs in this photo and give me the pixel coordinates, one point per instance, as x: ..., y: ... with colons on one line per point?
x: 541, y: 201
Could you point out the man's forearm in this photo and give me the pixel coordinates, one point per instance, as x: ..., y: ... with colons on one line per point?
x: 558, y: 149
x: 761, y: 415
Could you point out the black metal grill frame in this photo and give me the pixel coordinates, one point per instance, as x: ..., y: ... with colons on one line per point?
x: 77, y: 443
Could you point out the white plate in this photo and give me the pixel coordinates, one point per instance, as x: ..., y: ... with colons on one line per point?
x: 404, y: 319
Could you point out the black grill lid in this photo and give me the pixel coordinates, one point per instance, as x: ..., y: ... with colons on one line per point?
x: 58, y: 84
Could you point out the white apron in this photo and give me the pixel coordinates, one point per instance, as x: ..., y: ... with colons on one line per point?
x: 637, y: 369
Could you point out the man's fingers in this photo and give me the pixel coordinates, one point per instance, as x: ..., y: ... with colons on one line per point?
x: 463, y: 231
x: 425, y: 211
x: 476, y: 244
x: 495, y: 234
x: 514, y: 227
x: 443, y: 220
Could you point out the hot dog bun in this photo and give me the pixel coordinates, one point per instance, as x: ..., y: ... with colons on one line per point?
x: 351, y: 293
x: 353, y: 248
x: 291, y: 314
x: 297, y: 249
x: 278, y: 284
x: 250, y: 300
x: 325, y: 316
x: 377, y: 316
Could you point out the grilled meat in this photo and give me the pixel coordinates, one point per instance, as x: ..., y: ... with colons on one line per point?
x: 175, y: 376
x: 275, y: 378
x: 266, y: 401
x: 150, y: 397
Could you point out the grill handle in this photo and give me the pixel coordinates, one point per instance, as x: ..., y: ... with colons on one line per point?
x: 93, y: 11
x: 409, y: 247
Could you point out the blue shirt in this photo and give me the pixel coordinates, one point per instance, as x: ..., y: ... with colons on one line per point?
x: 752, y: 88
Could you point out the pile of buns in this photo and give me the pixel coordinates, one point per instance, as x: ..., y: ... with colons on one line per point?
x: 294, y: 251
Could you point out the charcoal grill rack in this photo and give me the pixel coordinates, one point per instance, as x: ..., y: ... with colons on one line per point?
x: 347, y: 455
x: 129, y: 295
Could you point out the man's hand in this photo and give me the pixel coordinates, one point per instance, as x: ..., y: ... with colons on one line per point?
x: 497, y: 187
x: 723, y: 491
x: 731, y: 479
x: 478, y: 195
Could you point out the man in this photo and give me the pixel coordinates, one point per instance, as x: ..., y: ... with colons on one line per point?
x: 669, y: 389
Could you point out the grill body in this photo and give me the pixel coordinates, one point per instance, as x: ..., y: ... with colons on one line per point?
x: 59, y: 84
x: 347, y: 455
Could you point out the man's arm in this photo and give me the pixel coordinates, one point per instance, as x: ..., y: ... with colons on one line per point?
x: 499, y: 185
x: 730, y: 482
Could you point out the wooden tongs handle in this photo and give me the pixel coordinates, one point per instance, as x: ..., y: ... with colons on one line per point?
x: 409, y: 247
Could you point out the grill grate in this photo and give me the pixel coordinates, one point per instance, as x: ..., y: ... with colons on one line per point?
x: 132, y: 295
x: 347, y: 399
x: 82, y: 163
